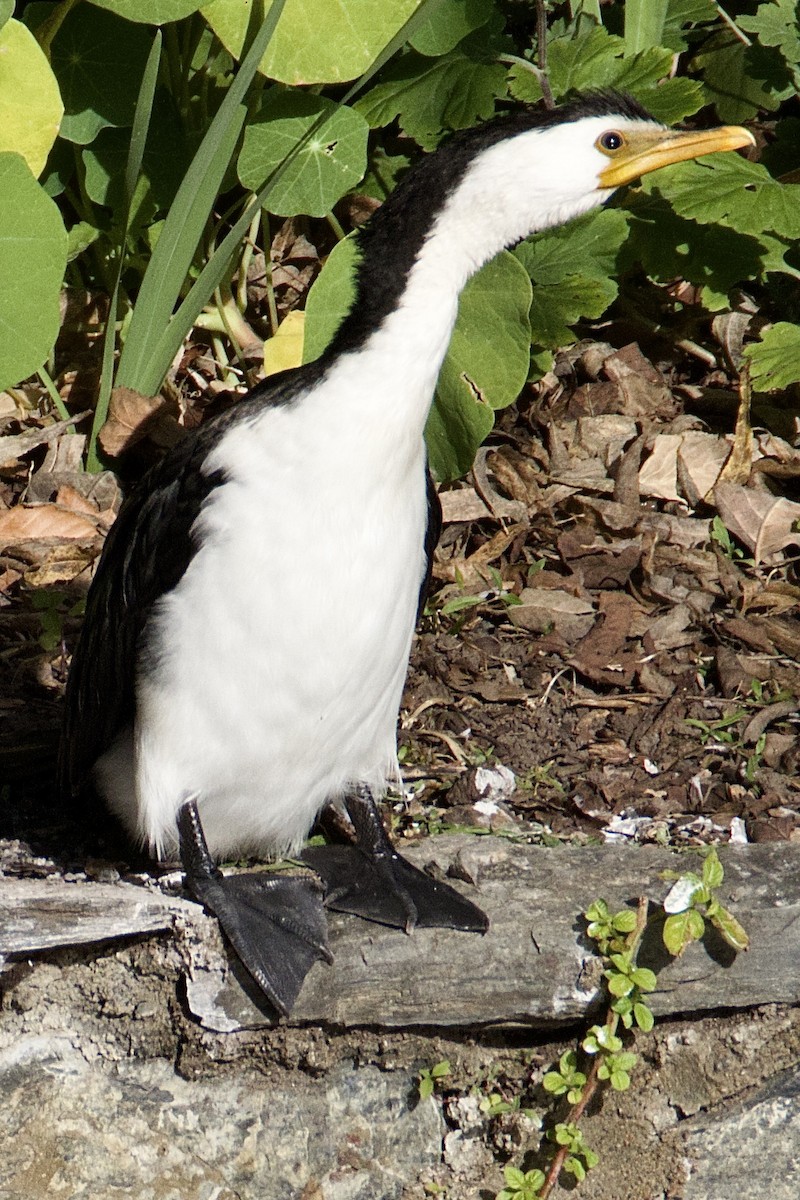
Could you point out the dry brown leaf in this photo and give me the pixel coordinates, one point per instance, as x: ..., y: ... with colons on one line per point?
x: 543, y: 609
x: 669, y: 632
x: 23, y: 523
x: 462, y: 504
x: 61, y: 564
x: 658, y: 474
x: 701, y: 457
x: 740, y: 463
x: 473, y: 569
x: 21, y: 443
x: 128, y: 415
x: 602, y: 655
x: 765, y: 523
x: 644, y: 392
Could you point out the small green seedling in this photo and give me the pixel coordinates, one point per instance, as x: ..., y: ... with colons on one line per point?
x: 429, y: 1077
x: 691, y: 902
x: 521, y: 1185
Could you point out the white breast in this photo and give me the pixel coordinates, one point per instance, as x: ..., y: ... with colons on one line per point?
x: 277, y: 664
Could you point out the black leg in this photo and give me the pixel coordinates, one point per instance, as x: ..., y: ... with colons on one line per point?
x: 373, y: 881
x: 275, y: 923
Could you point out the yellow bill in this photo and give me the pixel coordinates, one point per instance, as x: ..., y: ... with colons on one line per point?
x: 641, y: 151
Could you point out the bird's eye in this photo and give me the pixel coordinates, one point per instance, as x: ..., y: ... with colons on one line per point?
x: 610, y: 141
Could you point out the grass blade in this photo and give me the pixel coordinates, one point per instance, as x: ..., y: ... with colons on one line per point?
x: 133, y: 166
x: 168, y: 268
x: 644, y: 24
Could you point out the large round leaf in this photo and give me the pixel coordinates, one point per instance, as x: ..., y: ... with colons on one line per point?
x: 485, y: 368
x: 33, y: 255
x: 150, y: 12
x: 316, y: 41
x: 99, y: 61
x: 30, y: 102
x: 330, y: 162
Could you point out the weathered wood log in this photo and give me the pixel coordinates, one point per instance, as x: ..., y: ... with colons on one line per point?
x: 534, y: 966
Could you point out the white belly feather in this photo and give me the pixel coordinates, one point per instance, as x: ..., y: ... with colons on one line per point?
x: 281, y: 655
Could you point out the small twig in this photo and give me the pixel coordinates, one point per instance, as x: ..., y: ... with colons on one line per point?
x: 740, y: 34
x: 541, y: 53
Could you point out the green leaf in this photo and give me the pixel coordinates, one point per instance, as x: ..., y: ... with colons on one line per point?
x: 33, y: 255
x: 713, y: 872
x: 330, y: 298
x: 450, y: 21
x: 625, y: 921
x: 165, y: 162
x: 681, y: 929
x: 741, y: 80
x: 485, y: 368
x: 30, y: 102
x: 432, y: 95
x: 148, y: 342
x: 554, y: 1083
x: 727, y: 188
x: 560, y: 296
x: 775, y: 24
x: 644, y: 979
x: 644, y: 1017
x: 668, y: 245
x: 734, y: 934
x: 681, y: 13
x: 316, y: 41
x: 98, y: 60
x: 150, y: 12
x: 80, y: 236
x: 775, y: 360
x: 6, y: 9
x: 330, y: 162
x: 620, y: 985
x: 672, y: 100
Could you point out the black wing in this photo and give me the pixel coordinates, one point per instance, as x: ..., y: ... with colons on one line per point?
x: 146, y: 552
x: 433, y: 532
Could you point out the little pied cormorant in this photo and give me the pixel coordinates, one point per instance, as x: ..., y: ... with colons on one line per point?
x: 248, y: 629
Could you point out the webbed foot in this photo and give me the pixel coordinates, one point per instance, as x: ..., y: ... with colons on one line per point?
x: 372, y: 880
x: 275, y: 923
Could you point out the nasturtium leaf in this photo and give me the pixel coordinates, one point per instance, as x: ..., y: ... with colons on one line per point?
x: 30, y: 102
x: 285, y: 349
x: 33, y: 255
x: 166, y: 158
x: 775, y: 360
x: 330, y: 298
x: 432, y: 95
x: 448, y: 23
x: 330, y: 162
x: 150, y: 12
x: 316, y: 41
x: 728, y: 188
x: 59, y: 168
x: 98, y: 60
x: 79, y: 237
x: 485, y: 368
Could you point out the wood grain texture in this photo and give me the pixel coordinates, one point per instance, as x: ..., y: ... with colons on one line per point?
x: 534, y: 967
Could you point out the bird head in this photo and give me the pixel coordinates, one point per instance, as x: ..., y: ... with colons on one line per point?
x: 533, y: 170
